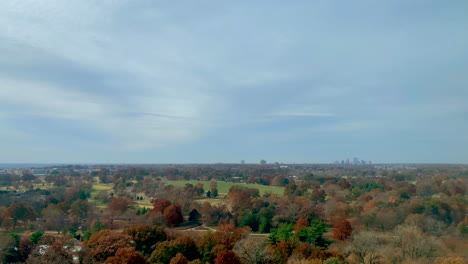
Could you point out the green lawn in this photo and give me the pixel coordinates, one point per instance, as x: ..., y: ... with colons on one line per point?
x: 97, y: 187
x: 223, y: 187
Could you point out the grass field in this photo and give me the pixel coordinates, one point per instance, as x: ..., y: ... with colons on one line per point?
x: 223, y: 187
x: 97, y: 187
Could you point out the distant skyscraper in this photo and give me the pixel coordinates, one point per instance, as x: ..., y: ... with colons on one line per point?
x: 263, y: 162
x: 242, y: 161
x: 363, y: 162
x: 342, y: 161
x: 347, y: 161
x: 355, y: 161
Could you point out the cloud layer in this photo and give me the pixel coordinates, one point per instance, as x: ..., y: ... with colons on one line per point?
x: 145, y: 81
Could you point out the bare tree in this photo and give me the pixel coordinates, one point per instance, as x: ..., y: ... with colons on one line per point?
x: 252, y: 251
x: 412, y: 242
x: 366, y: 245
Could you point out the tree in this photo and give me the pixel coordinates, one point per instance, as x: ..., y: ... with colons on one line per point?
x: 36, y: 236
x: 213, y: 188
x: 173, y: 215
x: 118, y: 205
x: 160, y: 204
x: 18, y: 211
x: 227, y: 257
x: 145, y: 236
x: 54, y: 217
x: 252, y: 251
x: 366, y: 245
x: 283, y: 233
x: 412, y: 242
x: 194, y: 216
x: 300, y: 224
x: 80, y: 208
x: 282, y: 251
x: 198, y: 189
x: 105, y: 244
x: 333, y: 260
x: 56, y: 253
x: 228, y: 235
x: 449, y: 260
x: 165, y: 251
x: 126, y: 255
x: 279, y: 180
x: 342, y: 229
x: 9, y: 253
x: 179, y: 259
x: 314, y: 234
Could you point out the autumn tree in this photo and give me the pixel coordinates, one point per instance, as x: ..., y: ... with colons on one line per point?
x: 57, y: 253
x: 18, y: 211
x: 227, y: 257
x: 80, y: 208
x: 213, y: 188
x: 105, y: 244
x: 145, y: 236
x: 228, y: 235
x: 173, y: 215
x: 160, y: 204
x: 342, y: 229
x: 119, y: 205
x: 179, y: 259
x: 127, y: 255
x: 165, y: 251
x: 198, y: 189
x: 300, y: 224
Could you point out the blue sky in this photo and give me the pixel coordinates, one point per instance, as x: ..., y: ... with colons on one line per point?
x: 224, y: 81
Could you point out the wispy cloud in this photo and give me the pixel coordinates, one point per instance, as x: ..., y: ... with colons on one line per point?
x: 149, y: 78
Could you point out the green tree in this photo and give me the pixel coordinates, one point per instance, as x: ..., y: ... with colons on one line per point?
x: 36, y: 236
x: 314, y: 234
x: 283, y: 233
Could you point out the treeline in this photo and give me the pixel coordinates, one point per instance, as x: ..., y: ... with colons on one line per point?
x: 324, y: 216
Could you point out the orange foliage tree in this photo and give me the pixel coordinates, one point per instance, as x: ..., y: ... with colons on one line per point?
x: 300, y: 224
x: 105, y: 243
x: 173, y: 214
x: 342, y: 229
x: 126, y: 255
x: 227, y: 257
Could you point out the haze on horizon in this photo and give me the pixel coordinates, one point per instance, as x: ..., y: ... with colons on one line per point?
x: 222, y: 81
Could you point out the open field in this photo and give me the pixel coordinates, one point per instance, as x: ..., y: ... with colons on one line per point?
x: 223, y: 187
x: 97, y: 187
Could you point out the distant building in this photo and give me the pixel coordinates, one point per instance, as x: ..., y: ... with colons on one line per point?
x: 342, y: 161
x: 263, y: 162
x: 38, y: 172
x: 363, y: 162
x: 347, y: 161
x: 242, y: 161
x: 356, y: 161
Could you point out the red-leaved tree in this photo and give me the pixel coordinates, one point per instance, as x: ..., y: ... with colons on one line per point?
x: 173, y: 215
x: 160, y: 204
x: 342, y: 229
x: 227, y: 257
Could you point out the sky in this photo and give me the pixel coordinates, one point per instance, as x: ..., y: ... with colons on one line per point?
x: 114, y: 81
